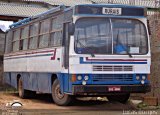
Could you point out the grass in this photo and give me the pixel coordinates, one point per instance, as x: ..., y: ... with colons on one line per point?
x: 7, y: 89
x: 142, y: 105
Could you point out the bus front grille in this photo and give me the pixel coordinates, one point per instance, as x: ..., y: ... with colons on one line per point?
x: 112, y: 77
x: 111, y: 68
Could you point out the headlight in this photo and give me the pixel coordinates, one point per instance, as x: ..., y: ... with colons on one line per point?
x: 79, y: 77
x: 86, y: 78
x: 142, y: 82
x: 137, y: 77
x: 84, y: 83
x: 143, y: 77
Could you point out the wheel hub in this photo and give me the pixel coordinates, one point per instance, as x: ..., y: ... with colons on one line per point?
x: 59, y: 95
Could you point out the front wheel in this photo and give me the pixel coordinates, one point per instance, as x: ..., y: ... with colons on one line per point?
x: 58, y: 97
x: 122, y: 98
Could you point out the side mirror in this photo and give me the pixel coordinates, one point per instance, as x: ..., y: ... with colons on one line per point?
x: 71, y: 28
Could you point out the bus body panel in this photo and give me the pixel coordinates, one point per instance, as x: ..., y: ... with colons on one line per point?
x: 34, y: 61
x: 79, y: 65
x: 32, y: 81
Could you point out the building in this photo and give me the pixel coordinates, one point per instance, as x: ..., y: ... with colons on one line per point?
x: 18, y: 9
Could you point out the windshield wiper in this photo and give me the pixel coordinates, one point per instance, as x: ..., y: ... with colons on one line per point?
x: 129, y: 54
x: 83, y: 46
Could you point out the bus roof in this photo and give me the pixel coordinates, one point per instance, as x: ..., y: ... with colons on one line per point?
x: 26, y: 20
x: 92, y: 9
x: 110, y: 5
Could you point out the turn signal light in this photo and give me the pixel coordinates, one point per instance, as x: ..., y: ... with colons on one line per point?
x: 148, y: 77
x: 73, y: 79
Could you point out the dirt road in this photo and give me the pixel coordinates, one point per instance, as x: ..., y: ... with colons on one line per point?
x: 44, y: 101
x: 43, y: 104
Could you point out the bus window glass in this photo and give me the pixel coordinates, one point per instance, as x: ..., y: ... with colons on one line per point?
x: 15, y: 46
x: 25, y: 32
x: 33, y: 36
x: 33, y: 42
x: 44, y: 33
x: 24, y: 37
x: 56, y: 32
x: 129, y: 36
x: 16, y: 35
x: 16, y: 39
x: 54, y: 24
x: 59, y: 21
x: 56, y: 38
x: 8, y: 46
x: 45, y: 26
x: 34, y: 29
x: 43, y: 41
x: 93, y: 36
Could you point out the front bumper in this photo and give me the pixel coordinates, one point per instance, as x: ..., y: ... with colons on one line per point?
x: 104, y: 89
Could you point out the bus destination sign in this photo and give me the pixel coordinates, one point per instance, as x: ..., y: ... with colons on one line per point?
x: 112, y: 11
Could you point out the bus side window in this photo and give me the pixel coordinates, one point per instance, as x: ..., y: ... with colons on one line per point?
x: 8, y: 42
x: 56, y: 33
x: 24, y: 38
x: 33, y: 38
x: 16, y: 39
x: 44, y: 33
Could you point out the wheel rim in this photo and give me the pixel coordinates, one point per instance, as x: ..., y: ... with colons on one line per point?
x: 58, y: 93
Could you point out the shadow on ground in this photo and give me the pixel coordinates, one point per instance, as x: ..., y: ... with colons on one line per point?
x: 45, y: 100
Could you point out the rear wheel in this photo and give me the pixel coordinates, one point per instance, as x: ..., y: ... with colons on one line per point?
x: 58, y: 97
x: 122, y: 98
x: 22, y: 92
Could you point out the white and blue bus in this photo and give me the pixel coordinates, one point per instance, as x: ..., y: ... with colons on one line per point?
x: 85, y: 50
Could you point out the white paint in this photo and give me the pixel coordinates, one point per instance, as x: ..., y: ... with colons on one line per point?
x: 35, y: 63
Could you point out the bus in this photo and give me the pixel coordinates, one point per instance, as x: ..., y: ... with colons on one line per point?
x: 84, y: 50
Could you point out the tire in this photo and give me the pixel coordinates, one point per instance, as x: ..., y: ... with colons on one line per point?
x: 22, y: 92
x: 58, y: 97
x: 122, y: 98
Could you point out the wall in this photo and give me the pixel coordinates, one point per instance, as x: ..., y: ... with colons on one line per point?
x: 2, y: 41
x: 154, y: 22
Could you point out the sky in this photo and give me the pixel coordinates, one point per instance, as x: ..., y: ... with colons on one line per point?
x: 4, y: 25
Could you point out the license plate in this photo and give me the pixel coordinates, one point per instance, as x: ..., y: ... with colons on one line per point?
x: 112, y: 11
x: 114, y: 88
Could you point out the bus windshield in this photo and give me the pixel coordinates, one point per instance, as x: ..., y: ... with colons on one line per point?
x: 110, y: 36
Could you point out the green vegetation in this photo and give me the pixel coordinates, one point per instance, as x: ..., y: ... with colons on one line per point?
x: 7, y: 89
x: 142, y: 105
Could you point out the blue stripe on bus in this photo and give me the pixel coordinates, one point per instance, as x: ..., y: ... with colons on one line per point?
x: 93, y: 62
